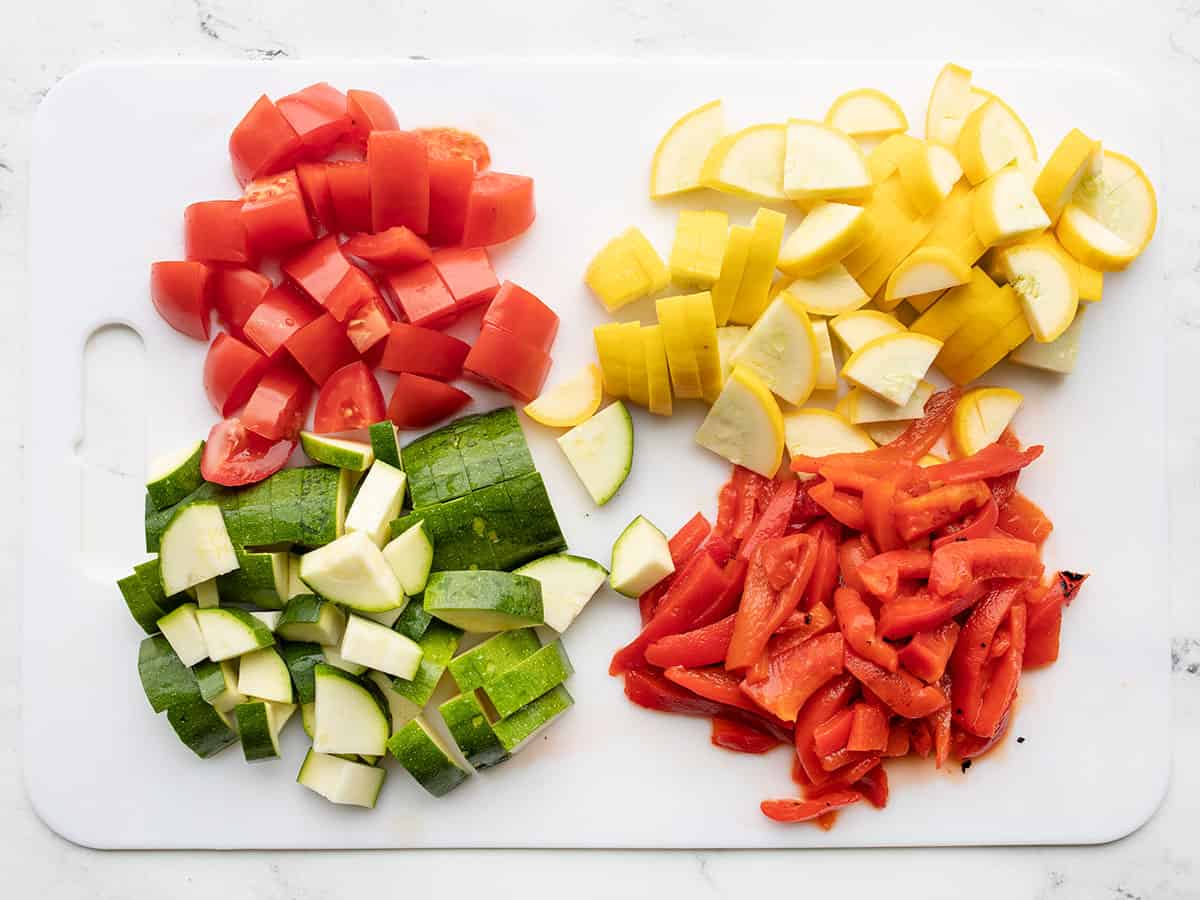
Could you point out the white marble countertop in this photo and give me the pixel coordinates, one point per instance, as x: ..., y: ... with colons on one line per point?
x: 1158, y: 42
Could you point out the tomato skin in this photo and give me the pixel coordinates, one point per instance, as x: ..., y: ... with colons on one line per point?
x: 353, y: 290
x: 501, y: 360
x: 467, y: 274
x: 349, y: 399
x: 393, y: 248
x: 180, y: 291
x: 213, y: 232
x: 231, y: 372
x: 262, y: 142
x: 236, y: 293
x: 314, y: 187
x: 321, y: 348
x: 234, y: 456
x: 279, y: 405
x: 350, y: 192
x: 282, y: 313
x: 318, y: 113
x: 421, y: 295
x: 368, y: 112
x: 398, y: 168
x: 423, y: 351
x: 450, y: 182
x: 318, y: 269
x: 451, y: 143
x: 500, y: 208
x: 519, y: 312
x: 420, y: 402
x: 274, y: 214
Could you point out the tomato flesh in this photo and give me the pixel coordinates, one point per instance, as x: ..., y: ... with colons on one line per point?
x: 520, y: 313
x: 450, y: 182
x: 423, y: 351
x: 349, y: 399
x: 393, y: 248
x: 321, y: 348
x: 232, y: 369
x: 179, y: 290
x: 283, y: 312
x: 368, y: 112
x: 420, y: 402
x: 213, y: 231
x: 279, y: 405
x: 318, y: 113
x: 398, y: 168
x: 467, y: 274
x: 452, y: 143
x: 318, y: 269
x: 236, y: 294
x: 234, y: 455
x: 421, y: 295
x: 274, y: 214
x: 504, y: 361
x: 500, y: 208
x: 314, y: 186
x: 350, y: 193
x: 262, y: 142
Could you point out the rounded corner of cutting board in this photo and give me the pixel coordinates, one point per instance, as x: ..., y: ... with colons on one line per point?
x: 57, y: 811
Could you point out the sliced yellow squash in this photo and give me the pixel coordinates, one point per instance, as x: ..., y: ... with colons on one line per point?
x: 570, y: 402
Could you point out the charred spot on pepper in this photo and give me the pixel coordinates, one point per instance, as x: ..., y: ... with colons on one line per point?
x: 966, y: 764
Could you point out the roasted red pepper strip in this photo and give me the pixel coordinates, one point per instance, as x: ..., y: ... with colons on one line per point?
x: 927, y: 654
x: 1045, y: 615
x: 741, y: 737
x: 921, y: 737
x: 879, y: 511
x: 832, y: 734
x: 768, y: 599
x: 858, y: 765
x: 1005, y: 675
x: 651, y: 690
x: 727, y: 601
x: 1024, y: 519
x: 968, y: 675
x: 694, y: 591
x: 699, y: 647
x: 881, y: 574
x: 852, y: 553
x: 922, y: 611
x: 858, y: 627
x: 970, y: 746
x: 1060, y: 593
x: 956, y: 566
x: 869, y: 731
x: 822, y: 705
x: 979, y: 525
x: 774, y: 519
x: 825, y: 567
x: 874, y: 787
x: 1041, y: 643
x: 752, y: 488
x: 925, y: 514
x: 838, y: 762
x: 899, y: 738
x: 846, y: 508
x: 796, y: 674
x: 992, y: 461
x: 801, y: 625
x: 712, y: 683
x: 796, y: 810
x: 804, y: 509
x: 683, y: 546
x: 939, y: 728
x: 907, y: 695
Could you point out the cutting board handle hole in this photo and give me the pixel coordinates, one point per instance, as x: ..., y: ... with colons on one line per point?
x: 111, y: 450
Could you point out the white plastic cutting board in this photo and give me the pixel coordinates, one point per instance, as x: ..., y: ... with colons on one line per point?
x: 119, y: 151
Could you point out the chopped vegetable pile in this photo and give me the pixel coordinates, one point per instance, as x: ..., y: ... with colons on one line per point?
x: 418, y: 208
x: 880, y: 604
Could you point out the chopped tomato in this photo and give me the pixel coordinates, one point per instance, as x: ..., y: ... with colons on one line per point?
x: 263, y: 142
x: 350, y: 398
x: 321, y: 348
x: 420, y: 402
x: 423, y: 351
x: 500, y: 208
x: 318, y: 200
x: 213, y: 232
x: 318, y: 113
x: 369, y: 319
x: 236, y: 294
x: 180, y: 292
x: 450, y: 182
x: 282, y: 313
x: 520, y: 313
x: 421, y: 295
x: 451, y: 143
x: 740, y: 737
x: 231, y: 372
x: 368, y: 112
x: 274, y: 214
x: 353, y: 290
x: 234, y: 455
x: 467, y: 274
x: 350, y: 194
x: 318, y: 268
x: 398, y: 169
x: 279, y: 405
x: 507, y: 363
x: 393, y: 248
x: 796, y: 810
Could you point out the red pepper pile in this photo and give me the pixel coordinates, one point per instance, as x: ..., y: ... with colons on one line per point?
x: 419, y: 209
x: 870, y: 610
